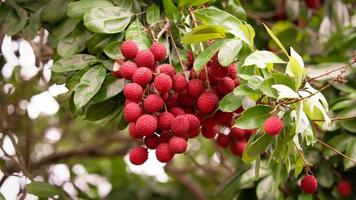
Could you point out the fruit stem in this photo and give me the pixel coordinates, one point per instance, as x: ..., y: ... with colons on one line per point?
x: 177, y: 52
x: 336, y: 151
x: 306, y: 164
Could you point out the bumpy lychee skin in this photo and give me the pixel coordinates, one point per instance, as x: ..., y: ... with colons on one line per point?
x: 172, y: 100
x: 344, y: 188
x: 177, y: 144
x: 180, y: 126
x: 163, y: 153
x: 226, y: 85
x: 133, y: 133
x: 146, y: 125
x: 145, y: 58
x: 151, y: 141
x: 223, y: 118
x: 129, y: 49
x: 133, y: 92
x: 238, y: 148
x: 273, y: 126
x: 223, y: 140
x: 132, y: 112
x: 309, y: 184
x: 179, y: 83
x: 209, y: 132
x: 142, y: 76
x: 165, y: 136
x: 127, y: 69
x: 163, y: 83
x: 231, y: 71
x: 190, y: 56
x: 159, y: 51
x: 237, y: 133
x: 165, y: 120
x: 153, y: 103
x: 207, y: 102
x: 167, y: 69
x: 176, y: 111
x: 138, y: 155
x: 195, y: 87
x: 194, y: 125
x: 185, y: 100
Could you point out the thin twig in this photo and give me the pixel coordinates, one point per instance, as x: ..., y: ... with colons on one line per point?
x: 306, y: 164
x: 177, y: 52
x: 164, y: 29
x: 329, y: 72
x: 336, y: 151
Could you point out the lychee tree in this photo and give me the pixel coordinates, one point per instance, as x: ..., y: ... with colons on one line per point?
x: 171, y: 71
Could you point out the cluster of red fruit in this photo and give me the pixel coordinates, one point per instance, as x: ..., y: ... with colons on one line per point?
x: 166, y: 108
x: 309, y: 185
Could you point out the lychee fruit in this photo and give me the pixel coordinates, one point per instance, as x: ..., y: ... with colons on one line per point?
x: 133, y: 92
x: 237, y: 133
x: 238, y: 148
x: 309, y: 184
x: 145, y: 58
x: 273, y: 126
x: 180, y: 126
x: 151, y: 141
x: 225, y: 85
x: 116, y: 69
x: 167, y: 69
x: 190, y: 56
x: 177, y: 144
x: 223, y: 118
x: 163, y: 83
x: 194, y: 125
x: 129, y: 49
x: 159, y: 51
x: 344, y: 188
x: 312, y: 4
x: 195, y: 87
x: 223, y: 140
x: 153, y: 103
x: 179, y: 83
x: 132, y: 131
x: 207, y: 102
x: 231, y: 71
x: 165, y: 120
x: 163, y: 153
x: 172, y: 100
x: 209, y: 132
x: 127, y: 69
x: 132, y: 112
x: 184, y: 99
x: 176, y: 111
x: 138, y: 155
x: 146, y: 125
x: 142, y: 76
x: 165, y: 136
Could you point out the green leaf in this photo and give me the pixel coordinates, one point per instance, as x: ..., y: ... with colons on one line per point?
x: 295, y: 67
x: 99, y: 41
x: 274, y: 37
x: 204, y: 33
x: 185, y: 3
x: 229, y: 52
x: 325, y: 176
x: 89, y: 85
x: 136, y: 32
x: 34, y: 24
x: 263, y: 189
x: 72, y: 83
x: 61, y: 30
x: 350, y: 152
x: 245, y: 90
x: 261, y: 58
x: 110, y: 88
x: 107, y: 19
x: 230, y: 103
x: 339, y: 142
x: 285, y: 92
x: 266, y: 88
x: 73, y: 43
x: 42, y: 189
x: 299, y: 165
x: 253, y: 117
x: 228, y: 188
x: 258, y: 146
x: 74, y: 62
x: 305, y: 196
x: 207, y: 54
x: 125, y: 4
x: 284, y: 79
x: 101, y: 110
x: 112, y: 50
x: 15, y: 21
x: 78, y: 8
x: 2, y: 197
x: 54, y: 11
x: 171, y: 10
x: 153, y: 14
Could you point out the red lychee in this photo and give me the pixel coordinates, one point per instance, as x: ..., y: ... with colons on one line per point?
x: 231, y: 71
x: 237, y: 133
x: 312, y: 4
x: 146, y: 125
x: 167, y: 69
x: 344, y: 188
x: 207, y: 102
x: 151, y: 141
x: 138, y: 155
x: 176, y: 111
x: 309, y: 184
x: 159, y: 51
x: 190, y: 56
x: 223, y: 118
x: 153, y: 103
x: 185, y: 100
x: 165, y: 120
x: 209, y: 132
x: 179, y: 83
x: 129, y: 49
x: 165, y: 136
x: 180, y: 126
x: 163, y: 83
x: 225, y: 85
x: 132, y: 131
x: 273, y: 126
x: 142, y: 76
x: 145, y: 58
x: 223, y: 140
x: 133, y: 92
x: 132, y: 112
x: 127, y: 69
x: 172, y: 100
x: 195, y: 87
x: 177, y: 144
x: 163, y: 153
x: 194, y: 125
x: 238, y: 148
x: 116, y: 69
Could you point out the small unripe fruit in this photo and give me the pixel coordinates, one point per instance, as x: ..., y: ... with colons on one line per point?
x: 142, y: 76
x: 146, y: 125
x: 165, y: 120
x: 195, y: 87
x: 177, y: 144
x: 238, y: 148
x: 207, y: 102
x: 167, y: 69
x: 138, y: 155
x: 127, y: 69
x: 145, y: 58
x: 237, y: 133
x: 132, y: 112
x: 129, y: 49
x: 133, y: 92
x: 151, y: 141
x: 133, y: 133
x: 309, y: 184
x: 179, y: 83
x: 153, y: 103
x: 180, y: 126
x: 163, y: 153
x: 273, y: 126
x: 163, y: 83
x: 344, y: 188
x: 223, y: 140
x: 159, y: 51
x: 176, y: 111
